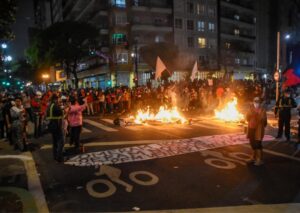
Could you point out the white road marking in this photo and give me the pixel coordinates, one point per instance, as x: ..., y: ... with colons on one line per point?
x: 129, y: 127
x: 100, y: 126
x: 110, y: 121
x: 85, y: 130
x: 278, y: 154
x: 33, y: 180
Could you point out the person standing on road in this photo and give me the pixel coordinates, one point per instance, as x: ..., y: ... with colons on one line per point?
x: 75, y: 122
x: 283, y: 111
x: 257, y: 121
x: 55, y: 116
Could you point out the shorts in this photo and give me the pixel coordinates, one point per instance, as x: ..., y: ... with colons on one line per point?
x: 255, y: 144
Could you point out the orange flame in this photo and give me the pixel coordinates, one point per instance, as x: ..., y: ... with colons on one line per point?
x: 230, y: 112
x: 164, y: 115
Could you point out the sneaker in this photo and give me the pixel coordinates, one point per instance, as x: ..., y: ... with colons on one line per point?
x: 258, y: 163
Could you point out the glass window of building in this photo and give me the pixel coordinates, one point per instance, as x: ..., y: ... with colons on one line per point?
x: 211, y: 27
x: 237, y: 32
x: 245, y: 61
x: 237, y: 61
x: 227, y: 45
x: 190, y: 24
x: 178, y: 23
x: 122, y: 58
x: 190, y: 41
x: 190, y: 7
x: 119, y: 38
x: 200, y: 9
x: 211, y: 12
x: 212, y: 43
x: 121, y: 18
x: 236, y: 17
x: 119, y: 3
x: 201, y: 42
x: 201, y: 26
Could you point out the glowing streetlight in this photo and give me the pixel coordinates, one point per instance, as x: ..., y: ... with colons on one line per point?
x: 3, y: 46
x: 287, y: 36
x: 8, y: 58
x: 45, y: 76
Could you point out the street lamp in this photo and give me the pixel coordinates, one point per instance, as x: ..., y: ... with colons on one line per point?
x: 287, y: 36
x: 45, y: 76
x: 8, y: 58
x: 3, y: 46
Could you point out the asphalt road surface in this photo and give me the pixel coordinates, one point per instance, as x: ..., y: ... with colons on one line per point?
x: 167, y: 167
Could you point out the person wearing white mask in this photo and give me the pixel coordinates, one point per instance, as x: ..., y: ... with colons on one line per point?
x: 257, y: 121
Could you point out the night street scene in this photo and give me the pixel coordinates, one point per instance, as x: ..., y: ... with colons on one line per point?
x: 156, y: 106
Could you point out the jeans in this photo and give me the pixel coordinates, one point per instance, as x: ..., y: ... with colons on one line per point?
x: 57, y: 139
x: 75, y: 136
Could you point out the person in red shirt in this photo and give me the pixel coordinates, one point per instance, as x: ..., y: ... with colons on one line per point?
x: 90, y: 101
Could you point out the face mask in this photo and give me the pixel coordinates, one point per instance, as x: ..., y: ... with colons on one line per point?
x: 256, y: 105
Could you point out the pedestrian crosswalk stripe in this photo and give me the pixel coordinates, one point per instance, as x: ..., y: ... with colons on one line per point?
x: 110, y: 121
x: 100, y: 126
x: 85, y: 130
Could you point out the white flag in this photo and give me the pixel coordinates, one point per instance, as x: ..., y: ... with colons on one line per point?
x: 160, y: 67
x: 194, y: 71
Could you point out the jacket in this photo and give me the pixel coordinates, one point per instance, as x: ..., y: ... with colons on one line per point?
x: 260, y: 122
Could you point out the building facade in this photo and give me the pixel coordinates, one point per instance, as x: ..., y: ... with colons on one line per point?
x: 196, y: 34
x: 221, y: 35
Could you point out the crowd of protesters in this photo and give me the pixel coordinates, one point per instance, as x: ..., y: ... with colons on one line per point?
x: 31, y: 112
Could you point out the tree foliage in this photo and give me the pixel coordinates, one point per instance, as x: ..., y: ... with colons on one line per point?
x: 8, y: 10
x: 22, y: 69
x: 66, y: 43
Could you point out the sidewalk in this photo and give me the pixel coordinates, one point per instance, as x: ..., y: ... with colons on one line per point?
x: 19, y: 182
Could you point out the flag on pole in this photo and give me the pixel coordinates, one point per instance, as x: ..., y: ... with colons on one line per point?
x: 160, y: 67
x: 194, y: 71
x: 292, y: 78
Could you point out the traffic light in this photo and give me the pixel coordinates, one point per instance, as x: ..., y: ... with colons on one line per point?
x: 7, y: 84
x: 18, y: 82
x: 3, y: 83
x: 109, y: 83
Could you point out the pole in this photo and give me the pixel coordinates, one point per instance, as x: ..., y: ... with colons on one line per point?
x: 136, y: 66
x: 277, y: 65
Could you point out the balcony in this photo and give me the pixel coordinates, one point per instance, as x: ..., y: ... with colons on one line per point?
x: 230, y: 20
x: 152, y: 6
x: 238, y: 6
x: 240, y: 37
x: 152, y: 9
x: 155, y: 28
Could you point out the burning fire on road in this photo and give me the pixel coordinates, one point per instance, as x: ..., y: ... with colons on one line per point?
x: 164, y: 115
x: 229, y: 113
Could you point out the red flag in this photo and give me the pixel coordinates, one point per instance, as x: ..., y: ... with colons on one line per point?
x: 291, y: 78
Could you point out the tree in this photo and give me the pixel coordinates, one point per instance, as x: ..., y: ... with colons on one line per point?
x: 168, y: 53
x: 8, y: 10
x: 23, y: 70
x: 66, y: 43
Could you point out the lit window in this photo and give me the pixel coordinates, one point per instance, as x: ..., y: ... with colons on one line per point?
x: 159, y: 38
x: 237, y: 61
x: 190, y: 24
x: 178, y: 23
x: 211, y: 27
x: 119, y: 3
x: 200, y: 9
x: 201, y: 42
x: 201, y: 26
x: 245, y: 61
x: 122, y: 58
x: 190, y: 41
x: 236, y: 32
x: 227, y: 45
x: 237, y: 17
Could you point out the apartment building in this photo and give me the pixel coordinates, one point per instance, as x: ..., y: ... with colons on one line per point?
x: 196, y: 34
x: 238, y: 37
